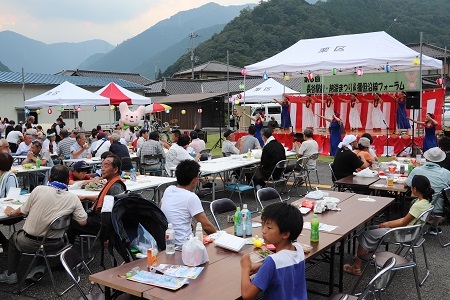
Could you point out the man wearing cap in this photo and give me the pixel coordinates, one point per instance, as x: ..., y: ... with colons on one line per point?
x: 228, y: 147
x: 80, y: 147
x: 308, y: 147
x: 249, y: 141
x: 197, y: 144
x: 346, y: 161
x: 79, y: 173
x: 438, y: 176
x: 273, y: 152
x: 143, y: 137
x: 363, y: 149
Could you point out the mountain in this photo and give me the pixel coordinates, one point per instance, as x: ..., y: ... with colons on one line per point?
x: 165, y: 58
x: 275, y: 25
x: 39, y: 57
x: 4, y: 68
x: 130, y: 54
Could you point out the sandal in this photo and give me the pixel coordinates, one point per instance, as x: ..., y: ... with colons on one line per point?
x: 351, y: 270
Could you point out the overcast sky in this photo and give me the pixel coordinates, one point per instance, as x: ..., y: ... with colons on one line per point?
x: 52, y: 21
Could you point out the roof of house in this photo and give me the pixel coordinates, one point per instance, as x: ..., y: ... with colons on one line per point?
x: 173, y: 86
x: 430, y: 50
x: 180, y: 98
x: 50, y: 79
x: 211, y: 66
x: 131, y: 77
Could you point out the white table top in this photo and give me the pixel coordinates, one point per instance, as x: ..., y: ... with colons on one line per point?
x: 142, y: 183
x: 20, y: 169
x: 14, y: 204
x: 91, y: 161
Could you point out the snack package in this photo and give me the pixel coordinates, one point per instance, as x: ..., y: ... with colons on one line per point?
x: 194, y: 252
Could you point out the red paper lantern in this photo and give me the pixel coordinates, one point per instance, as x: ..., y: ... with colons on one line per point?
x: 49, y: 111
x: 440, y: 81
x: 239, y: 96
x: 310, y: 76
x: 199, y: 110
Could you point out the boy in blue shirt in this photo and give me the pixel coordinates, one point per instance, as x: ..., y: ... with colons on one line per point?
x: 281, y: 275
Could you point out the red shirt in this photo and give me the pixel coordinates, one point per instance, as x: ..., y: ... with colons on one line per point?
x: 72, y: 178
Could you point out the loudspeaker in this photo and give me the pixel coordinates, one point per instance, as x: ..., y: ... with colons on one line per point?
x: 413, y: 100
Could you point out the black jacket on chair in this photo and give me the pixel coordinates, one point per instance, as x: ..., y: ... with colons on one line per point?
x: 272, y: 153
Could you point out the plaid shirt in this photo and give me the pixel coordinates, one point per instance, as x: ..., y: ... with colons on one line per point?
x: 150, y: 147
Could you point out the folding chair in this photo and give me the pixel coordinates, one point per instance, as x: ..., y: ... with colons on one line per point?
x: 376, y: 285
x: 299, y: 173
x: 312, y: 157
x: 241, y: 186
x: 145, y: 164
x: 279, y: 169
x: 333, y: 177
x: 404, y: 236
x: 439, y: 218
x: 266, y: 194
x: 129, y: 160
x: 60, y: 223
x: 221, y: 206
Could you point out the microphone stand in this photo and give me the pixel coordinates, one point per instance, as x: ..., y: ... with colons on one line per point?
x: 387, y: 139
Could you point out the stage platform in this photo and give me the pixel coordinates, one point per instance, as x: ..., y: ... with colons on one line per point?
x: 384, y: 145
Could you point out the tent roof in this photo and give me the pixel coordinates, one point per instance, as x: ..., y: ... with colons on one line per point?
x: 370, y: 51
x: 118, y: 94
x: 266, y: 91
x: 66, y: 94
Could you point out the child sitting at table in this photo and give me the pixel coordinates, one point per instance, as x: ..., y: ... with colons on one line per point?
x: 368, y: 240
x: 281, y: 275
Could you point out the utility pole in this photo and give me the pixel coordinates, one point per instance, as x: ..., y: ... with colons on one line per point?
x: 192, y: 36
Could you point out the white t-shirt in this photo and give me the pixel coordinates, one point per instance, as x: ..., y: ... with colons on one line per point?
x: 102, y: 147
x: 180, y: 206
x: 13, y: 136
x: 174, y: 156
x: 23, y: 148
x: 46, y: 146
x: 308, y: 148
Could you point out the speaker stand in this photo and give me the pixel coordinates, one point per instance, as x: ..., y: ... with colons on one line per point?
x: 413, y: 143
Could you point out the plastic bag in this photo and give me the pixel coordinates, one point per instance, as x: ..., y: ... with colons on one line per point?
x: 143, y: 241
x: 194, y: 252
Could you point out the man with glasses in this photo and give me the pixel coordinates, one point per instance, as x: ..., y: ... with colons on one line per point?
x: 4, y: 146
x: 111, y: 170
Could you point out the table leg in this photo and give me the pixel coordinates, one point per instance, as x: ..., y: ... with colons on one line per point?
x: 107, y: 293
x: 331, y: 285
x: 341, y: 267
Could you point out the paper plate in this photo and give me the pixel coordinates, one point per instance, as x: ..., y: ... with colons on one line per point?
x: 367, y: 199
x: 304, y: 210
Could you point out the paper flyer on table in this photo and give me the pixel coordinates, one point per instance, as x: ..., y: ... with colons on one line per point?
x: 179, y: 271
x: 322, y: 226
x: 164, y: 281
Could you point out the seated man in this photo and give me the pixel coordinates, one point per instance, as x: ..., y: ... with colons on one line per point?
x: 228, y: 147
x: 308, y: 147
x: 79, y: 173
x: 177, y: 153
x: 444, y: 144
x: 346, y: 161
x: 151, y: 146
x: 111, y: 170
x: 101, y: 145
x: 80, y: 148
x: 42, y: 207
x: 273, y: 123
x: 272, y: 153
x: 197, y: 144
x: 25, y: 146
x: 249, y: 141
x: 179, y: 204
x: 438, y: 176
x: 65, y: 144
x: 120, y: 150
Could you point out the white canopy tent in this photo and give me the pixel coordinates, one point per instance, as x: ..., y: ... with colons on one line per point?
x: 266, y: 91
x: 66, y: 94
x: 369, y: 51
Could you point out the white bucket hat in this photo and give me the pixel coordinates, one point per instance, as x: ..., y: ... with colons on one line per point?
x: 434, y: 155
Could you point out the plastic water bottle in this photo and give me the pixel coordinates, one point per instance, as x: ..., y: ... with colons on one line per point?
x: 314, y: 229
x: 239, y: 224
x: 38, y: 162
x: 247, y: 221
x: 249, y: 153
x: 133, y: 174
x: 235, y: 219
x: 170, y: 239
x: 199, y: 232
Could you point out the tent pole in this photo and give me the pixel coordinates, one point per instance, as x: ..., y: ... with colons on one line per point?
x: 420, y: 83
x: 74, y: 117
x: 323, y: 107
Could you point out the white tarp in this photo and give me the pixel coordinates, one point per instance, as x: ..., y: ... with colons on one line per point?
x: 370, y: 51
x: 266, y: 91
x: 66, y: 94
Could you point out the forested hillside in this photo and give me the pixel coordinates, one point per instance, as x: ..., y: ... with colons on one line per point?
x: 277, y: 24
